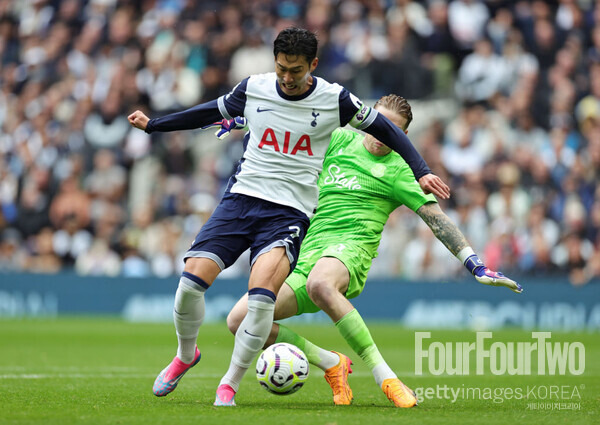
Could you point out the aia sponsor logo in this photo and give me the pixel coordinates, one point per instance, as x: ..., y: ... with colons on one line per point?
x: 288, y: 146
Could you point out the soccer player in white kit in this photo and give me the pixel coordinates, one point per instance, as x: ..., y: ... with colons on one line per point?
x: 272, y: 195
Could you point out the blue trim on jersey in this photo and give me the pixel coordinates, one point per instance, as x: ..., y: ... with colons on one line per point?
x: 262, y: 291
x: 223, y: 108
x: 196, y: 279
x: 195, y: 117
x: 294, y: 98
x: 347, y: 108
x: 234, y: 103
x: 387, y: 132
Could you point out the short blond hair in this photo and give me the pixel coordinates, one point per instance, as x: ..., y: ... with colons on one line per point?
x: 397, y: 104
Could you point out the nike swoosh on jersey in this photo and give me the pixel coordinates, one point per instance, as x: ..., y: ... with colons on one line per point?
x: 262, y: 110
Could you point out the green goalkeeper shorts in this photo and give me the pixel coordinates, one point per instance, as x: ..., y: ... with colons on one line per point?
x: 356, y: 260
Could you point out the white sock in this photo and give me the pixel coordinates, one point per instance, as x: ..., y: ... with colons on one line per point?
x: 251, y: 335
x: 188, y: 314
x: 327, y: 359
x: 382, y: 372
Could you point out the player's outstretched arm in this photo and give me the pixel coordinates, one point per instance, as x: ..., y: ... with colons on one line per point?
x: 195, y: 117
x: 450, y: 235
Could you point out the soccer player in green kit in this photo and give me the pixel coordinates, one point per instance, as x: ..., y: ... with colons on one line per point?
x: 362, y: 182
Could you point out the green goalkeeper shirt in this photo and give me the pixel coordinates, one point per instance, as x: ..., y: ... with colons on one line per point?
x: 357, y: 193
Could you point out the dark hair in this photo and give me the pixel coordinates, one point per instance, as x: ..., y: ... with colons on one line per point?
x: 296, y: 42
x: 397, y: 104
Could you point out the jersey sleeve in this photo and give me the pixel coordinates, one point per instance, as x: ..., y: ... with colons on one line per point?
x: 228, y: 106
x: 354, y: 112
x: 233, y: 103
x: 195, y: 117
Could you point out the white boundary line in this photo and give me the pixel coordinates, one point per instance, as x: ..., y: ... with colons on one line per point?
x: 138, y: 374
x: 116, y: 372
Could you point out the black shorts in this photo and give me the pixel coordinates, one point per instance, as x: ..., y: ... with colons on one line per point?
x: 240, y: 222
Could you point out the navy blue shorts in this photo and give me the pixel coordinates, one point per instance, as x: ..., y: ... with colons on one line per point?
x: 240, y: 222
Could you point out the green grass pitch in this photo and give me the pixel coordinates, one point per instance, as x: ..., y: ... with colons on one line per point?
x: 100, y: 371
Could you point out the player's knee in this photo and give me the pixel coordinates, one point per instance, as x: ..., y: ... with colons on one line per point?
x: 320, y: 291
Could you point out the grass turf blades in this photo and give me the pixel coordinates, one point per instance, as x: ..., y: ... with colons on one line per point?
x: 100, y: 371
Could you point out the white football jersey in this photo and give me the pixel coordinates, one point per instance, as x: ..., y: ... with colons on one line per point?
x: 288, y: 137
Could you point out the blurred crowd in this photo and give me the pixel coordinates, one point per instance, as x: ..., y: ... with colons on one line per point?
x: 80, y: 189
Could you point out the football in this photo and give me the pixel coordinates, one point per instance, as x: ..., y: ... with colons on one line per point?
x: 282, y: 369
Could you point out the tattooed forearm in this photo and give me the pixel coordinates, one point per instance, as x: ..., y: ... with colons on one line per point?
x: 443, y: 228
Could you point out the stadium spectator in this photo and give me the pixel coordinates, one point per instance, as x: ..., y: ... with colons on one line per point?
x: 252, y: 57
x: 481, y: 73
x: 467, y: 20
x: 106, y: 127
x: 509, y: 201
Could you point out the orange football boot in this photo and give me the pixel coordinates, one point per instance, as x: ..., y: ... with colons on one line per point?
x: 398, y: 393
x: 337, y: 378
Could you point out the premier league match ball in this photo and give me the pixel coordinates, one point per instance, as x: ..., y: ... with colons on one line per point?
x: 282, y: 369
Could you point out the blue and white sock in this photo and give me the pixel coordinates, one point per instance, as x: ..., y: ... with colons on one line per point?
x: 251, y: 335
x: 188, y: 314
